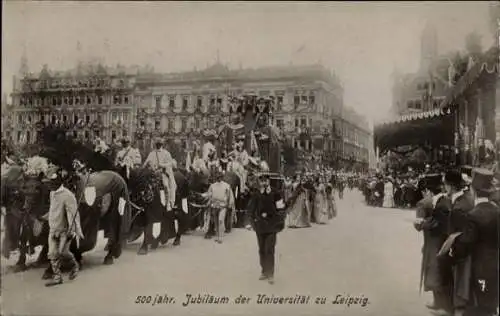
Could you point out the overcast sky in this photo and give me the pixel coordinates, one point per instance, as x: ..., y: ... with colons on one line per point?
x: 362, y: 42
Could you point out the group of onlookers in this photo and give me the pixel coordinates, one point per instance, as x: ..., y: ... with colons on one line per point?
x: 459, y: 217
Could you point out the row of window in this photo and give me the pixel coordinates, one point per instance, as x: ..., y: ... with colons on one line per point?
x: 115, y: 117
x: 213, y: 101
x: 76, y: 100
x: 87, y: 83
x: 418, y: 104
x: 185, y: 124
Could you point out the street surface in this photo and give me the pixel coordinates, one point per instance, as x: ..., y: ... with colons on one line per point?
x: 369, y: 252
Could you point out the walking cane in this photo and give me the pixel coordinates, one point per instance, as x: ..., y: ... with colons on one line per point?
x: 76, y: 213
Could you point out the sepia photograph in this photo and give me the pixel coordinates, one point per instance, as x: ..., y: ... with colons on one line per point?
x: 250, y: 158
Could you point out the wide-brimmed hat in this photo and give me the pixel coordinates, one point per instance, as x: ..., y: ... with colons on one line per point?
x: 454, y: 178
x: 482, y: 180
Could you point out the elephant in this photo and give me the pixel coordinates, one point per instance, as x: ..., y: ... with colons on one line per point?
x: 103, y: 204
x: 146, y: 187
x: 25, y: 199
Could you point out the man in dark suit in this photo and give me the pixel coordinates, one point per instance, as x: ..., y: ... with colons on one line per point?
x: 267, y: 214
x: 462, y: 203
x: 435, y: 274
x: 379, y: 191
x: 480, y: 240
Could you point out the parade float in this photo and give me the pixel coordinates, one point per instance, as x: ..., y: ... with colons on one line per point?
x: 250, y: 133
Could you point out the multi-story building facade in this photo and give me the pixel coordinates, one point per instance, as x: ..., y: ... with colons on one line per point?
x: 180, y: 105
x: 93, y: 100
x: 6, y: 117
x: 90, y: 100
x: 357, y: 139
x: 426, y: 89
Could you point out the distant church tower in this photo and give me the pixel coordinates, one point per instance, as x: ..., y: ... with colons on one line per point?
x: 428, y: 46
x: 23, y: 69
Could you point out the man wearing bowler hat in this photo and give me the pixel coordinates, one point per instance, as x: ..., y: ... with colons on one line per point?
x: 267, y: 213
x: 480, y: 241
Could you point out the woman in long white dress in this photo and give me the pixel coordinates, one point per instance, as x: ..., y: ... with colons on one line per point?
x: 388, y: 193
x: 321, y: 203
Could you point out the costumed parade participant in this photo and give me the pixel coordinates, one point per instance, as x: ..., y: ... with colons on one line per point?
x: 127, y: 158
x: 320, y: 201
x: 299, y: 214
x: 240, y: 160
x: 199, y: 164
x: 388, y: 193
x: 161, y: 161
x: 64, y: 224
x: 221, y: 199
x: 100, y: 146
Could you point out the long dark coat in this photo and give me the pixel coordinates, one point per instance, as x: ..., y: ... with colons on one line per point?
x: 481, y: 240
x: 260, y: 203
x: 434, y: 273
x: 461, y: 267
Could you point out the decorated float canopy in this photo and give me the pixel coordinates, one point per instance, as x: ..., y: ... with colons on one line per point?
x: 485, y: 68
x: 425, y: 128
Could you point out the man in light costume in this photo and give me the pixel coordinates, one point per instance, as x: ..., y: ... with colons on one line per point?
x: 160, y: 160
x: 210, y: 152
x: 101, y: 147
x: 198, y: 164
x: 240, y: 162
x: 128, y: 157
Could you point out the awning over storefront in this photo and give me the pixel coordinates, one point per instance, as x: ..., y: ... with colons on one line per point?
x: 430, y: 128
x: 488, y: 65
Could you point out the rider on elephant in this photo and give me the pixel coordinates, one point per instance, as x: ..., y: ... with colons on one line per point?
x: 128, y: 157
x: 240, y: 159
x: 199, y: 164
x: 100, y: 146
x: 160, y: 160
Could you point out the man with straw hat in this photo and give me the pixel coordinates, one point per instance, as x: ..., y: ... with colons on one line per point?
x: 480, y: 240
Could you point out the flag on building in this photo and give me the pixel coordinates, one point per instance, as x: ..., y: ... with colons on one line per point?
x: 188, y: 160
x: 452, y: 72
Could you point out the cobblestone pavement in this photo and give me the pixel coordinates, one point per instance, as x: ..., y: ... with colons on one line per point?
x: 369, y: 252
